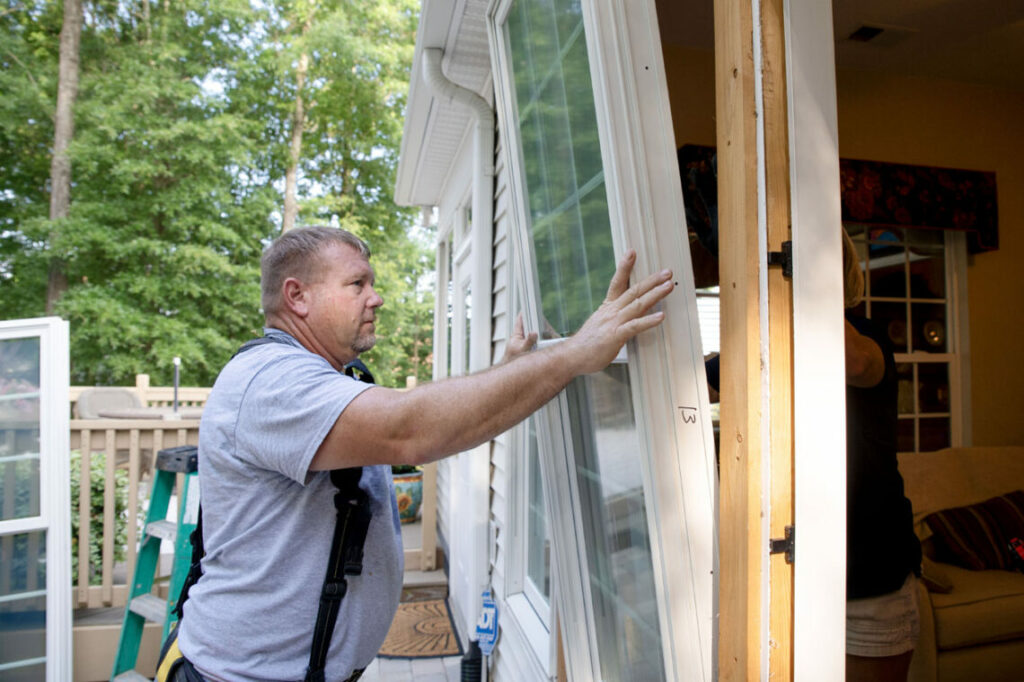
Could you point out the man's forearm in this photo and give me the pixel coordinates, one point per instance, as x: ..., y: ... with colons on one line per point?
x: 455, y: 414
x: 382, y: 426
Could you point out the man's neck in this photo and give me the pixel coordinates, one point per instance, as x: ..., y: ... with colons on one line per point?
x: 301, y: 333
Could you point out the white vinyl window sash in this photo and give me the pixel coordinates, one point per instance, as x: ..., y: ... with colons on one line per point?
x: 627, y: 453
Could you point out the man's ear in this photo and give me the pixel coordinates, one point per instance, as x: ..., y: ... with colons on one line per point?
x: 295, y: 296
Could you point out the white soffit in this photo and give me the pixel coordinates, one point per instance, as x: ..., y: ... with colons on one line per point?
x: 435, y: 128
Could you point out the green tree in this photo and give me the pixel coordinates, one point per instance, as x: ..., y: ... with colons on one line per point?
x: 360, y: 54
x: 183, y: 129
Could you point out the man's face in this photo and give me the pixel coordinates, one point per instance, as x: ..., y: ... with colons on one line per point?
x: 343, y: 303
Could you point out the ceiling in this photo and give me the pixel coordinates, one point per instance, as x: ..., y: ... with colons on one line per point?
x: 974, y: 41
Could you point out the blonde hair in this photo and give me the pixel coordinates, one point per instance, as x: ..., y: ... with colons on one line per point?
x: 296, y: 253
x: 853, y: 277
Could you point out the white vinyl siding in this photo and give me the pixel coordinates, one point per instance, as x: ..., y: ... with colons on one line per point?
x: 514, y: 659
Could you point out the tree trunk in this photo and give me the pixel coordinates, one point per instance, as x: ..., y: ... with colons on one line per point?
x: 64, y: 130
x: 298, y: 127
x: 291, y: 206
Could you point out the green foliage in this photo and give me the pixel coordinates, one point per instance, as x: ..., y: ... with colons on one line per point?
x: 182, y: 126
x: 97, y: 487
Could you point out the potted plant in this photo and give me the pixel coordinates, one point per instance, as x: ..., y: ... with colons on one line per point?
x: 408, y: 481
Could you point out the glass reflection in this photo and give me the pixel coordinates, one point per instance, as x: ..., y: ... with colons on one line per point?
x: 564, y: 178
x: 567, y: 207
x: 929, y: 327
x: 538, y: 546
x: 19, y: 428
x: 892, y: 318
x: 23, y: 606
x: 608, y: 473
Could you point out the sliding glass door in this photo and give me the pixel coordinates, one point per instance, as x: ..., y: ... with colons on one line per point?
x: 35, y: 523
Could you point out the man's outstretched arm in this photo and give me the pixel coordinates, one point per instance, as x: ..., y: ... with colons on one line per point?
x: 385, y: 426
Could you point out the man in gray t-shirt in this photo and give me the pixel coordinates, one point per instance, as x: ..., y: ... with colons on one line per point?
x: 281, y: 416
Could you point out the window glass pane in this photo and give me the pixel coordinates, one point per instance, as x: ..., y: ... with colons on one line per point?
x: 909, y: 299
x: 568, y: 209
x: 615, y: 525
x: 933, y: 387
x: 905, y: 382
x: 567, y: 13
x: 19, y: 428
x: 887, y: 264
x: 569, y: 225
x: 934, y: 433
x: 905, y: 436
x: 23, y: 606
x: 538, y: 544
x: 891, y: 318
x: 927, y: 269
x: 928, y: 322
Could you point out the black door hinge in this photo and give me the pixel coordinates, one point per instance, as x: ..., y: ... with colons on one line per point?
x: 780, y: 545
x: 783, y: 258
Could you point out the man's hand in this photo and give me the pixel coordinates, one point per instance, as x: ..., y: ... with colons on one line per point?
x: 623, y: 314
x: 520, y: 342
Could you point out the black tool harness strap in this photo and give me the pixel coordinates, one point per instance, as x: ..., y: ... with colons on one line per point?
x: 346, y: 556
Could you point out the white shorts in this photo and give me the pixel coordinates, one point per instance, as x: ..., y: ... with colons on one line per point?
x: 887, y: 625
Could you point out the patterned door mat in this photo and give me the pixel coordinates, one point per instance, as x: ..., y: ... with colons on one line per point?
x: 421, y: 629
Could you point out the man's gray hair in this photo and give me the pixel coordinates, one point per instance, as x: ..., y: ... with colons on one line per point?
x: 298, y: 253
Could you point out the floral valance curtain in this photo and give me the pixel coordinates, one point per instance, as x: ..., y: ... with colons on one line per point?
x: 873, y: 193
x: 901, y: 195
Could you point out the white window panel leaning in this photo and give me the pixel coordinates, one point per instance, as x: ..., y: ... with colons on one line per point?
x: 35, y: 506
x: 628, y: 465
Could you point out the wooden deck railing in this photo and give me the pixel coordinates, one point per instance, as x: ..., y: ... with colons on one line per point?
x: 155, y: 396
x: 134, y: 444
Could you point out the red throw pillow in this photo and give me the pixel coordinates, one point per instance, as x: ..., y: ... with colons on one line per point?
x: 978, y: 536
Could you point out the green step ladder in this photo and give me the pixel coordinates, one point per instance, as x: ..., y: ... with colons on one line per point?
x: 143, y: 605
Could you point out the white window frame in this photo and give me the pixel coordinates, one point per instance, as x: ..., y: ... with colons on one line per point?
x: 54, y: 481
x: 646, y: 211
x: 531, y: 613
x: 954, y: 250
x: 819, y: 384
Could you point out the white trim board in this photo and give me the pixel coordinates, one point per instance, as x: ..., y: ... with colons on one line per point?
x: 819, y: 597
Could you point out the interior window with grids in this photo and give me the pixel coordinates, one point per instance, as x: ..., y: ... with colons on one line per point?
x: 909, y: 293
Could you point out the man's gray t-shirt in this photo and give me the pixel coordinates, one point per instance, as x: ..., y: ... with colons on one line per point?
x: 268, y: 523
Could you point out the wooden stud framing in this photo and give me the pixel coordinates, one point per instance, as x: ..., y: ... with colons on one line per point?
x: 780, y: 325
x: 740, y: 541
x: 743, y: 454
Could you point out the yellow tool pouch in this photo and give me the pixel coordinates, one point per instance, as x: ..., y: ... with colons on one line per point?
x: 172, y: 666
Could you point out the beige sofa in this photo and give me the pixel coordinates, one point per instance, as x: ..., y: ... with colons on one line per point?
x: 972, y: 622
